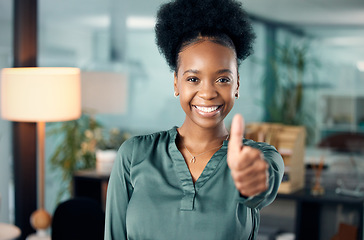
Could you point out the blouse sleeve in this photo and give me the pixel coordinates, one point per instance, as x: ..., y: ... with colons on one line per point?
x: 119, y: 193
x: 275, y: 170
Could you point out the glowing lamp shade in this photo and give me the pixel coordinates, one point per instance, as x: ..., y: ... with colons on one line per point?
x: 40, y: 94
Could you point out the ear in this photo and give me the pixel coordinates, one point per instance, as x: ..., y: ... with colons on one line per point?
x: 175, y: 83
x: 237, y: 85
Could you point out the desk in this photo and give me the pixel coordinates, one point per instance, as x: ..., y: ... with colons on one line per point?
x: 9, y: 231
x: 307, y: 221
x: 308, y: 211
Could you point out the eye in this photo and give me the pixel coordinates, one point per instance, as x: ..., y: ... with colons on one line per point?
x: 192, y: 79
x: 223, y: 80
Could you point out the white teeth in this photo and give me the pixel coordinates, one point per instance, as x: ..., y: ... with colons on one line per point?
x: 207, y: 109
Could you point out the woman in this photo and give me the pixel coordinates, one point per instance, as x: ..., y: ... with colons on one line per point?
x: 196, y: 181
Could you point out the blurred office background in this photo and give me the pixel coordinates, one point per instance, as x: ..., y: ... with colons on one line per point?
x: 117, y: 37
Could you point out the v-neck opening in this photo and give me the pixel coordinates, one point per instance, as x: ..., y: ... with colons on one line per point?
x: 211, y: 167
x: 181, y: 168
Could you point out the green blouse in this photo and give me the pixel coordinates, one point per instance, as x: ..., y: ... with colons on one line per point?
x: 151, y: 194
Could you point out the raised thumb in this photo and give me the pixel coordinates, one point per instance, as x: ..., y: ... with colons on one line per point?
x: 236, y: 132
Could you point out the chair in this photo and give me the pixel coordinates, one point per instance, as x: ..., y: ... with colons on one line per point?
x: 78, y: 219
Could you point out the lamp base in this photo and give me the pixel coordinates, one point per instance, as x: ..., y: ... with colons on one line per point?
x: 39, y: 235
x: 40, y: 219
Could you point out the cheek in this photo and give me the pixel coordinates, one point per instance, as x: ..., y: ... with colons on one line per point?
x: 179, y: 85
x: 231, y: 92
x: 185, y: 96
x: 184, y: 90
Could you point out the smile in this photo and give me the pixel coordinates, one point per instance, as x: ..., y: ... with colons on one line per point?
x: 207, y: 109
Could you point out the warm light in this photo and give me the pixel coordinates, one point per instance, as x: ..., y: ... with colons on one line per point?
x: 360, y: 66
x: 40, y: 94
x: 135, y: 22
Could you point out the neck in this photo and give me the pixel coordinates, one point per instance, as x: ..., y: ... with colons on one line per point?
x: 195, y: 137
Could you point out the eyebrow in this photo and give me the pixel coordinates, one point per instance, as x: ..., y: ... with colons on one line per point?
x: 224, y: 71
x: 191, y: 71
x: 197, y: 71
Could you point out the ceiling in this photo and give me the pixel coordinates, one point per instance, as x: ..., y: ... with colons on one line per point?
x: 328, y: 18
x: 337, y: 21
x: 309, y: 12
x: 313, y: 13
x: 298, y: 12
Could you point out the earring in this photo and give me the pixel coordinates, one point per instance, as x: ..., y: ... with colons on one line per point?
x: 237, y: 95
x: 175, y: 94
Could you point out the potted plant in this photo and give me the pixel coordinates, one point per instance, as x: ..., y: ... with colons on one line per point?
x: 106, y: 148
x: 78, y: 142
x: 287, y: 105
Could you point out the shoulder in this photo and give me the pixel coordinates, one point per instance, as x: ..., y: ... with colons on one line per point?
x: 137, y: 148
x: 153, y: 137
x: 259, y: 145
x: 139, y: 141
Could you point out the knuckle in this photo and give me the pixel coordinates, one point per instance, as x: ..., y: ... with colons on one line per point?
x: 239, y: 186
x: 239, y: 178
x: 234, y: 175
x: 246, y: 150
x: 244, y: 192
x: 263, y: 165
x: 236, y: 178
x: 252, y: 153
x: 264, y: 177
x: 256, y: 154
x: 264, y: 187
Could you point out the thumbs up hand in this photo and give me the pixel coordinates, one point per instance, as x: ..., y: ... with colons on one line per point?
x: 248, y: 168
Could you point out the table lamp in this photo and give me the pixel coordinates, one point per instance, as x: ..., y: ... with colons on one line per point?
x: 40, y: 94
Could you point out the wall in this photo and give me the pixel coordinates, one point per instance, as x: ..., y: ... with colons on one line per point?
x: 151, y: 104
x: 331, y: 69
x: 6, y: 190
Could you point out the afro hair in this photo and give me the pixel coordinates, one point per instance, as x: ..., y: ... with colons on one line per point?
x: 181, y: 21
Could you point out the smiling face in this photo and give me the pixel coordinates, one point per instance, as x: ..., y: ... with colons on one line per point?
x: 207, y: 82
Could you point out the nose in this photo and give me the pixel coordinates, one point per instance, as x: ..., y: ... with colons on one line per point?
x: 207, y: 90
